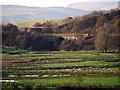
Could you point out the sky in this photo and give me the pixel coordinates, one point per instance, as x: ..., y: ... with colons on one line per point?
x: 48, y: 3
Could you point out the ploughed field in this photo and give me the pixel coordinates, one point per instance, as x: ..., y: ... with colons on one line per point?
x: 57, y: 69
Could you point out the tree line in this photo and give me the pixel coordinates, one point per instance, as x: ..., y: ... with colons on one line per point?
x: 103, y: 27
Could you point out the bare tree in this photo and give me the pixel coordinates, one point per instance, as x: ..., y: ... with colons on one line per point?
x: 102, y: 38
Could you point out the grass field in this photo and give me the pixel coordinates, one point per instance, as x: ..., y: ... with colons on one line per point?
x: 72, y: 81
x: 60, y: 68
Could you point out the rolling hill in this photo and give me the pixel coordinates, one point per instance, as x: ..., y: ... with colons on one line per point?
x: 93, y: 6
x: 16, y: 13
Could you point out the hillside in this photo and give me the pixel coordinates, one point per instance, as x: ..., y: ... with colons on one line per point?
x: 94, y: 31
x: 95, y: 5
x: 30, y: 23
x: 15, y: 13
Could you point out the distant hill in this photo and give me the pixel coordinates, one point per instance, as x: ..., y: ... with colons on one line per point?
x: 16, y: 13
x: 93, y: 6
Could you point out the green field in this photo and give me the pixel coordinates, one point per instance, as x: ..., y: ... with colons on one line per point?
x: 86, y: 80
x: 60, y: 68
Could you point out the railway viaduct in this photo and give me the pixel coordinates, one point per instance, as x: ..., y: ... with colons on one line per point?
x: 70, y: 36
x: 56, y: 39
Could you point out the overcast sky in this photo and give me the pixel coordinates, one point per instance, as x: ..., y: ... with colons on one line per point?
x: 48, y: 3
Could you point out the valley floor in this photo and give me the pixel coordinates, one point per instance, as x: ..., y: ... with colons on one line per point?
x: 59, y: 69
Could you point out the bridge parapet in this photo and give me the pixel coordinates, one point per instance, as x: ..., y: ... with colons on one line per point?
x: 76, y: 36
x: 70, y: 36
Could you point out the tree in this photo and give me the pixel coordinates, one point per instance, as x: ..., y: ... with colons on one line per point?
x: 67, y: 20
x: 68, y: 45
x: 102, y: 38
x: 46, y: 30
x: 37, y: 25
x: 101, y: 20
x: 47, y: 27
x: 9, y: 33
x: 75, y: 30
